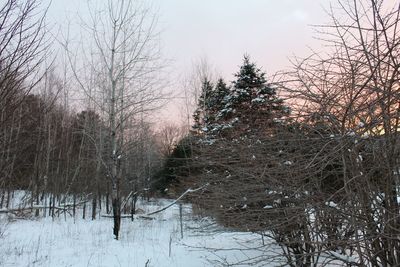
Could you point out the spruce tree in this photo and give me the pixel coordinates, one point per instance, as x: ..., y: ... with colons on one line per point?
x: 251, y: 102
x: 201, y: 115
x: 250, y: 89
x: 219, y: 96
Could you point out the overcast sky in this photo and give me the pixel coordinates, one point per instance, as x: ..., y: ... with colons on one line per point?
x: 270, y: 31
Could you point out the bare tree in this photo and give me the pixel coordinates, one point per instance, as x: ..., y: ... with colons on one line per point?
x: 23, y: 48
x: 201, y: 70
x: 122, y: 61
x: 349, y: 97
x: 169, y: 135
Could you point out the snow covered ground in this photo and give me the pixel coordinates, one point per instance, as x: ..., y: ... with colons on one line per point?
x: 68, y: 242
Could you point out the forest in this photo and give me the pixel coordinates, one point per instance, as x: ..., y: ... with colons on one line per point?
x: 306, y: 160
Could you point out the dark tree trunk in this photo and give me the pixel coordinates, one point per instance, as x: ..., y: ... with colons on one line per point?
x: 94, y: 207
x: 8, y: 198
x: 74, y: 206
x: 107, y: 203
x: 99, y: 196
x: 116, y: 204
x: 50, y: 204
x: 2, y: 198
x: 84, y: 211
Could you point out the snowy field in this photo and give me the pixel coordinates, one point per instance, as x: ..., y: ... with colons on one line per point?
x: 158, y: 242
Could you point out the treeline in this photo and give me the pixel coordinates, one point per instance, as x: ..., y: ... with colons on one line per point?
x: 104, y: 150
x: 315, y: 168
x: 48, y: 149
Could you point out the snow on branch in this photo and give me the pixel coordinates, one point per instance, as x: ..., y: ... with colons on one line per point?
x: 344, y: 258
x: 147, y: 215
x: 179, y: 198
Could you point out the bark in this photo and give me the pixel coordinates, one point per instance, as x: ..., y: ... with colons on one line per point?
x: 116, y: 205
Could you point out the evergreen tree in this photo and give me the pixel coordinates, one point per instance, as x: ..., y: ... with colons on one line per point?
x: 251, y: 101
x: 251, y: 90
x: 211, y: 101
x: 251, y: 104
x: 219, y: 96
x: 201, y: 115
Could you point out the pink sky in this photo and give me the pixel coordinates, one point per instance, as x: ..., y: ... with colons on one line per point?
x: 270, y: 31
x: 223, y: 30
